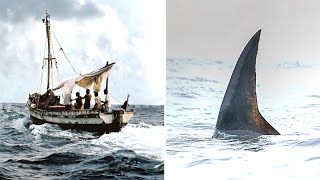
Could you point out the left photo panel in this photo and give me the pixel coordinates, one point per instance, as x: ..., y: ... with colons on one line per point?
x: 83, y: 89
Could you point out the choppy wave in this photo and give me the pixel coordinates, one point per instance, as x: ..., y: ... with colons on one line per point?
x: 121, y: 164
x: 45, y: 151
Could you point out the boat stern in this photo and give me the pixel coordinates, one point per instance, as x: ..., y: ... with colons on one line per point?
x: 122, y: 116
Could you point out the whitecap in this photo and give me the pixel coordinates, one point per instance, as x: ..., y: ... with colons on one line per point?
x: 21, y: 124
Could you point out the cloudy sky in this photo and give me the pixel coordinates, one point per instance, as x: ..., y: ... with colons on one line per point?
x: 289, y: 48
x: 207, y: 28
x: 91, y: 32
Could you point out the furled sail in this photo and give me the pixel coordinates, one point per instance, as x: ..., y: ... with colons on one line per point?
x: 86, y: 80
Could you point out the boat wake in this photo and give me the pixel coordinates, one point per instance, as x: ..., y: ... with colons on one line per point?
x: 144, y: 139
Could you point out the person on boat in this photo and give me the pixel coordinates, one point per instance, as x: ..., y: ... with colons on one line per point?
x: 97, y: 102
x: 125, y: 105
x: 67, y: 101
x: 44, y: 101
x: 78, y: 104
x: 87, y: 99
x: 47, y: 99
x: 107, y: 103
x: 52, y: 97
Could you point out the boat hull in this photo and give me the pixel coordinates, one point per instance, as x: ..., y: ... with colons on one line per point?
x: 102, y: 128
x: 83, y: 120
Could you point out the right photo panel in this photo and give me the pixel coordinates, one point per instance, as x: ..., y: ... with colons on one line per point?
x: 242, y: 89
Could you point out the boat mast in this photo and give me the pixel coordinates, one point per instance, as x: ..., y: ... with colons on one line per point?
x: 47, y: 22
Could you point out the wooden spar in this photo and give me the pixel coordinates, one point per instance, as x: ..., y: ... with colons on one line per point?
x: 47, y: 22
x: 126, y: 108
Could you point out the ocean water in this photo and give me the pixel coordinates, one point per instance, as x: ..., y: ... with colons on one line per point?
x: 288, y: 97
x: 45, y: 151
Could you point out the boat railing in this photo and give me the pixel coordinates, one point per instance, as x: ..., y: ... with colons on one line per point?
x: 68, y: 112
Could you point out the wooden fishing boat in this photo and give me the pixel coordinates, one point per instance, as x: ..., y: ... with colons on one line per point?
x: 46, y: 108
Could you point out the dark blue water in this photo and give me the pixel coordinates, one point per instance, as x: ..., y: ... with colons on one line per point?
x: 45, y: 151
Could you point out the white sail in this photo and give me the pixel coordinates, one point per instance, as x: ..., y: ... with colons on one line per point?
x: 86, y: 81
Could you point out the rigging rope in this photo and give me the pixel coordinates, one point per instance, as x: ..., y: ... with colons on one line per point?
x: 52, y: 59
x: 114, y: 98
x: 111, y: 94
x: 75, y: 70
x: 41, y: 77
x: 59, y: 77
x: 43, y: 64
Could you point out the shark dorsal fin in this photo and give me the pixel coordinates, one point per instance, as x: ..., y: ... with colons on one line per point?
x: 239, y: 109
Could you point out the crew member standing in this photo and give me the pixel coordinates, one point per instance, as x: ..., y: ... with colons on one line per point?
x: 97, y: 101
x: 87, y: 99
x: 107, y: 103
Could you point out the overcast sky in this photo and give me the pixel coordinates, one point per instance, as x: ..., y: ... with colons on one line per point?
x: 220, y: 29
x: 91, y: 32
x: 288, y: 61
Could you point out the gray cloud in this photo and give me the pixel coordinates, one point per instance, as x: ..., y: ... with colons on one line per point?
x: 17, y: 11
x: 19, y: 57
x: 13, y: 12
